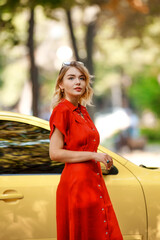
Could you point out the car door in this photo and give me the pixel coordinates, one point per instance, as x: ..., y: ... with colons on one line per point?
x: 150, y: 180
x: 128, y: 199
x: 28, y: 182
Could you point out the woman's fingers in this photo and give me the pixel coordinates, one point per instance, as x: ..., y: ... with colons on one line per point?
x: 105, y: 158
x: 109, y: 162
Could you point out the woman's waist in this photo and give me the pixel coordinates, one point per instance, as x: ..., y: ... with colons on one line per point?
x: 81, y: 174
x: 86, y: 164
x: 82, y: 168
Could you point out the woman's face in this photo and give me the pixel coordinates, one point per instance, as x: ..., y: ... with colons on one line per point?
x: 74, y: 84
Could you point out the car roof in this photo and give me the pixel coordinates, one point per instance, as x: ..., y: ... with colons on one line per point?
x: 12, y: 116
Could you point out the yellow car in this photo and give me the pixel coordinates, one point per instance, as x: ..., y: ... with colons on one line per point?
x: 28, y: 182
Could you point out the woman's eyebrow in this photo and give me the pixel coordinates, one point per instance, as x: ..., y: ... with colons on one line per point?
x: 72, y: 75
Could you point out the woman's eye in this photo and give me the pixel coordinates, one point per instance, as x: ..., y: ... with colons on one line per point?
x: 82, y: 78
x: 70, y: 78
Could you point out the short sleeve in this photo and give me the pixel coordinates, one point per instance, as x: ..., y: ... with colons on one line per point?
x: 59, y: 119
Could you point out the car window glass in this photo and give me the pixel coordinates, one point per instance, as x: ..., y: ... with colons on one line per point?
x: 24, y: 149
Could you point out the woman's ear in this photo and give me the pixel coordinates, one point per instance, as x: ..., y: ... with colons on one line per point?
x: 61, y: 86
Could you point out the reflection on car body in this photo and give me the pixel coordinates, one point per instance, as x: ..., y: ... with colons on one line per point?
x: 28, y: 182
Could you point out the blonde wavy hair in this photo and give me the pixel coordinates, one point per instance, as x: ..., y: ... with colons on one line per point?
x: 86, y: 98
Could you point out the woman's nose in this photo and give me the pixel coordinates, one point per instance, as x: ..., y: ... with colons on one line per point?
x: 78, y: 81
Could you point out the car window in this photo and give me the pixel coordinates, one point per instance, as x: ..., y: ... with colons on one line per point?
x: 24, y: 149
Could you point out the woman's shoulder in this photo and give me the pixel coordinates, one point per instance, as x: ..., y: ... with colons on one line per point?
x: 60, y: 108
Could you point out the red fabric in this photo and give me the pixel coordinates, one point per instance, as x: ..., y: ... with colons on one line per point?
x: 84, y: 209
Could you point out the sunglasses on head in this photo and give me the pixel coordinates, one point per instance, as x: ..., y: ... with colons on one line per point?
x: 70, y: 63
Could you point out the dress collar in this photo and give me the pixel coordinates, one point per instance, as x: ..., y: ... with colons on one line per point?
x: 70, y: 105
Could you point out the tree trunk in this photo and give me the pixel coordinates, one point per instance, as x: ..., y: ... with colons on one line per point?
x: 73, y: 39
x: 89, y: 61
x: 33, y: 67
x: 89, y: 46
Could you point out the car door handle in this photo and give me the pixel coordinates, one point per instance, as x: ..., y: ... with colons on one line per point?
x: 11, y: 196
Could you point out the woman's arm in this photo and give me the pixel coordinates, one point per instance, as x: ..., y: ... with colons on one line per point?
x: 59, y: 154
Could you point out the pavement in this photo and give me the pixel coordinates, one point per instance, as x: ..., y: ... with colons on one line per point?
x: 150, y: 156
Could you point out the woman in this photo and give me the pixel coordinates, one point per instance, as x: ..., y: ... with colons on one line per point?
x: 84, y: 209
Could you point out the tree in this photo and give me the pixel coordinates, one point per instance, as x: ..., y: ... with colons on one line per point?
x: 33, y: 67
x: 144, y: 90
x: 109, y: 8
x: 12, y: 7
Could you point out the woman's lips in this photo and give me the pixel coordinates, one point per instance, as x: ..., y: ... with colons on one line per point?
x: 78, y: 89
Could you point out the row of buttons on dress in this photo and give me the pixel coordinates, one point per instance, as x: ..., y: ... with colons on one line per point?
x: 83, y: 115
x: 94, y: 140
x: 98, y: 174
x: 99, y: 186
x: 103, y: 209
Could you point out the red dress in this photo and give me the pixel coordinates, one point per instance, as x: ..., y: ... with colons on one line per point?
x: 84, y: 209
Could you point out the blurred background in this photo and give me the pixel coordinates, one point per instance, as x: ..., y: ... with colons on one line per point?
x: 119, y: 42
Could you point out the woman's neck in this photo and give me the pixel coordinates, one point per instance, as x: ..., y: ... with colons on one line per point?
x: 74, y: 101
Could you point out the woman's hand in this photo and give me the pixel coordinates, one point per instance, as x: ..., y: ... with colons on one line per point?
x: 104, y: 158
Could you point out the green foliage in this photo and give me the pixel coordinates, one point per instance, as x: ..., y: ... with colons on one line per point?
x: 1, y: 82
x: 152, y: 134
x: 2, y: 62
x: 145, y: 92
x: 9, y: 9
